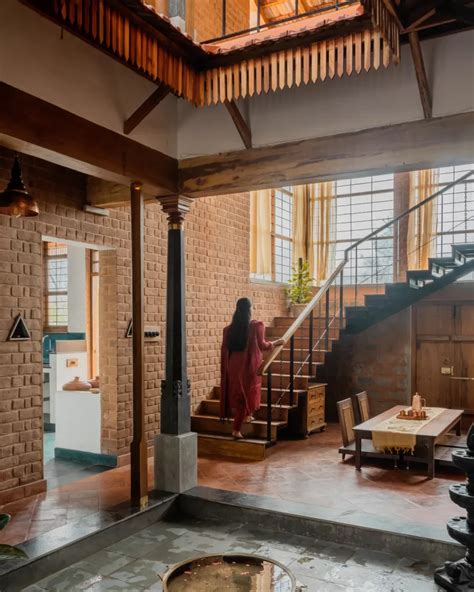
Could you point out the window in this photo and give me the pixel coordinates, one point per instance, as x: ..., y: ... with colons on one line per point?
x: 55, y: 286
x: 454, y: 210
x: 361, y: 206
x: 283, y: 231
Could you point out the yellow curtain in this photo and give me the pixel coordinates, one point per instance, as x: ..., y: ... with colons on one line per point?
x: 261, y: 232
x: 323, y: 231
x: 422, y: 222
x: 303, y: 246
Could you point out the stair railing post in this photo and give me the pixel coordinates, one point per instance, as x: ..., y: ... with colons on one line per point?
x: 224, y: 17
x: 310, y: 362
x: 355, y: 276
x: 327, y: 320
x: 269, y: 404
x: 341, y: 299
x: 292, y: 369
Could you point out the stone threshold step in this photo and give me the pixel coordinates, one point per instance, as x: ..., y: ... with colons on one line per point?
x: 62, y: 546
x: 406, y: 539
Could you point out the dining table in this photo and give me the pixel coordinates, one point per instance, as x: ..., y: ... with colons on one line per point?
x: 417, y: 438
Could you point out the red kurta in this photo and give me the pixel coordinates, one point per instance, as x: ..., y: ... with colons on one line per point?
x: 241, y: 386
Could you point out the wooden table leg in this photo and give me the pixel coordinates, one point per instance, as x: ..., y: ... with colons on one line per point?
x: 431, y: 460
x: 358, y: 454
x: 458, y: 428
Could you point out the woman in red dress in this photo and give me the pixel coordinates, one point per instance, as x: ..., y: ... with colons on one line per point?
x: 241, y: 356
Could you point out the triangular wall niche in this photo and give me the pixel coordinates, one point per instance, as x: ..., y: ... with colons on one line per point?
x: 19, y: 330
x: 129, y: 331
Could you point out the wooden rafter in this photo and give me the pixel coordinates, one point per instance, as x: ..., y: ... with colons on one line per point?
x: 459, y: 11
x: 145, y: 108
x: 240, y: 123
x: 422, y: 79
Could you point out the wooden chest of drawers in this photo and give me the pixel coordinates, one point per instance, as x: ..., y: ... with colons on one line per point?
x: 311, y: 414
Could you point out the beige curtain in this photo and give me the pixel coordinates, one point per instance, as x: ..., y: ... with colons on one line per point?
x: 261, y: 232
x: 303, y: 246
x: 422, y: 222
x: 324, y: 213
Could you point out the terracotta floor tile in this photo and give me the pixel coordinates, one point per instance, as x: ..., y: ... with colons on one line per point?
x: 308, y: 471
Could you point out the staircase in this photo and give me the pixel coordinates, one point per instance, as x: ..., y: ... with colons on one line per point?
x: 293, y: 400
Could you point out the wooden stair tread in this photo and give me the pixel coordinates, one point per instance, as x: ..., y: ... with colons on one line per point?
x: 255, y: 441
x: 255, y: 422
x: 216, y: 403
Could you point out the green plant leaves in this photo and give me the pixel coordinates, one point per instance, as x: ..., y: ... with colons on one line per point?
x: 4, y: 520
x: 9, y: 552
x: 300, y: 283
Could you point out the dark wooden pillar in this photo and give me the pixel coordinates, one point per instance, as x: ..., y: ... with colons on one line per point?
x: 138, y: 448
x: 175, y: 391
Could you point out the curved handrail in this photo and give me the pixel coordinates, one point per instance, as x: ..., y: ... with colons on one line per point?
x: 329, y: 282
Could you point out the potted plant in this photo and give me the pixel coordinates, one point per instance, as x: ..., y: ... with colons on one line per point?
x: 8, y: 551
x: 299, y: 287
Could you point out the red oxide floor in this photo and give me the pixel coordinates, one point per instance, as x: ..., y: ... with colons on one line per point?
x: 306, y: 471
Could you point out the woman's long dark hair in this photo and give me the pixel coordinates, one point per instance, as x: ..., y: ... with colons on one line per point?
x: 238, y: 334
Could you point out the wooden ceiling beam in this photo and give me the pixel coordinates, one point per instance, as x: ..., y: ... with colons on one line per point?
x: 37, y: 127
x: 459, y: 11
x: 421, y: 77
x: 403, y: 147
x: 145, y: 108
x: 242, y: 127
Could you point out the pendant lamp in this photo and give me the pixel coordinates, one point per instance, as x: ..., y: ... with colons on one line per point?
x: 15, y: 200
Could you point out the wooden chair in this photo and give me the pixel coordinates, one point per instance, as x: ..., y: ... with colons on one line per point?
x: 345, y: 413
x: 363, y: 405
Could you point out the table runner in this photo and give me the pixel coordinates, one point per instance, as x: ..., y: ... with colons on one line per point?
x: 393, y: 435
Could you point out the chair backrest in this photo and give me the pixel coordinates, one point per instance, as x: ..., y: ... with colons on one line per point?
x: 346, y: 419
x: 363, y: 404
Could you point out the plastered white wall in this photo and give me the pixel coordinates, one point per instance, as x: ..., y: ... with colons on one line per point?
x: 368, y: 100
x: 76, y: 291
x: 66, y: 71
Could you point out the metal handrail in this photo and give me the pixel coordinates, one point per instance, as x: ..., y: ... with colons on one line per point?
x: 329, y: 282
x: 408, y: 212
x: 259, y: 27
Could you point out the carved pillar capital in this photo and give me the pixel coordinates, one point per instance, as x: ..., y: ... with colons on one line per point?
x: 176, y: 207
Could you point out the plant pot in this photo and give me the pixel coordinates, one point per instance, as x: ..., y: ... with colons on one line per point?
x: 296, y: 309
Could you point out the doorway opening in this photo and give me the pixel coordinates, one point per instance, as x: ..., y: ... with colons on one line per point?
x: 71, y: 362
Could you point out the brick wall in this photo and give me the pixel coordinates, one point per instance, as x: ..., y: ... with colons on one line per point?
x: 204, y: 17
x: 378, y: 361
x: 217, y: 274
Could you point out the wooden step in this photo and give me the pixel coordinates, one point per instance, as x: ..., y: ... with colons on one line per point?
x: 278, y: 395
x: 247, y: 449
x: 303, y: 334
x: 318, y: 321
x: 299, y: 367
x: 209, y: 424
x: 302, y: 354
x: 282, y: 380
x: 213, y: 406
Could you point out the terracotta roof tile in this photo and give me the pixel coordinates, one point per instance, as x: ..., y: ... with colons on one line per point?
x: 286, y: 30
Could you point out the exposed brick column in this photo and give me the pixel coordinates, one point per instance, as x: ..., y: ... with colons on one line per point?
x: 176, y: 446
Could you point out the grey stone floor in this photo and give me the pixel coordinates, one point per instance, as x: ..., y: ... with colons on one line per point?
x: 135, y: 563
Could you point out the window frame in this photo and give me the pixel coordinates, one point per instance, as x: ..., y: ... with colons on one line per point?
x: 47, y: 293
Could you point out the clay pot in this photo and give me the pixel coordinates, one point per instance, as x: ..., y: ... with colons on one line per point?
x: 94, y: 382
x: 77, y: 385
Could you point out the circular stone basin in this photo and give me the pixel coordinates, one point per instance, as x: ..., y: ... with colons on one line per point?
x: 229, y: 573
